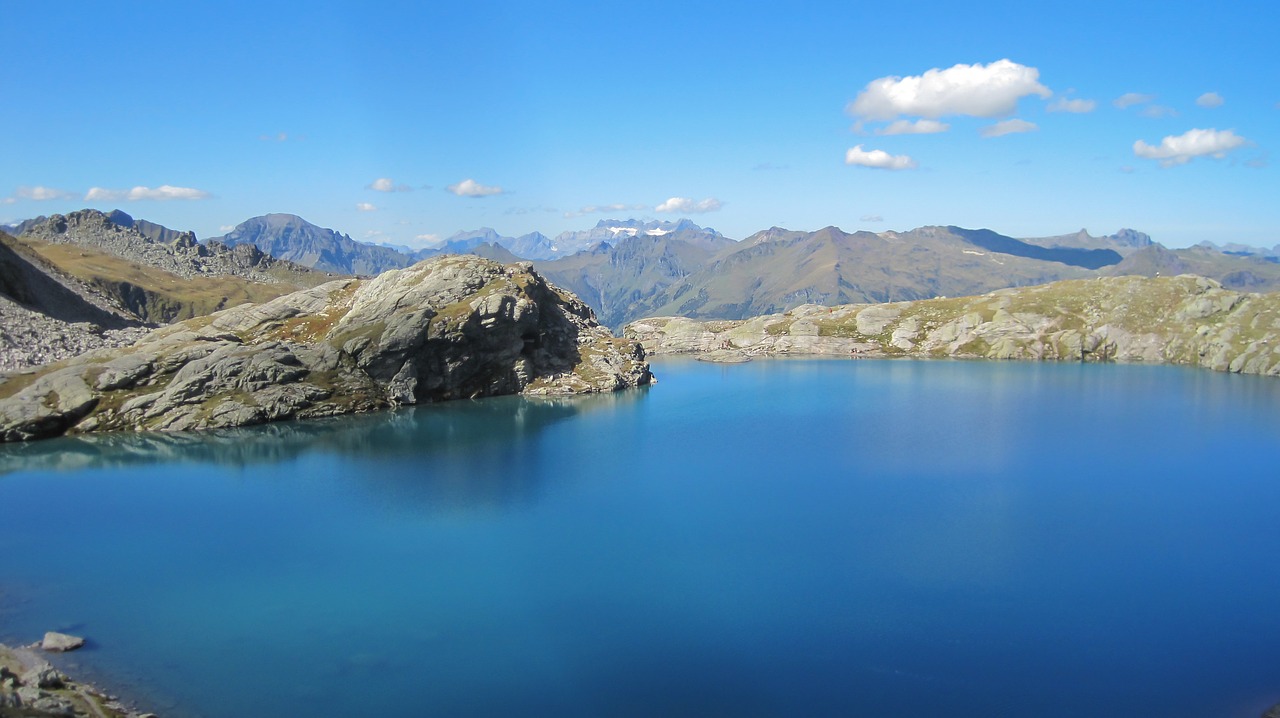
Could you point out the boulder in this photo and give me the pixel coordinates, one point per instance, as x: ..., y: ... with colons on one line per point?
x: 60, y: 642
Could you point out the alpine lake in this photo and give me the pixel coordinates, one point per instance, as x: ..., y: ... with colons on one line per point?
x: 870, y: 538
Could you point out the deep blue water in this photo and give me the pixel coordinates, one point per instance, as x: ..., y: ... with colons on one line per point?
x: 781, y: 538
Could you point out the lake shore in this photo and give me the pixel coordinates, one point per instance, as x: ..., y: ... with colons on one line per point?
x: 31, y: 686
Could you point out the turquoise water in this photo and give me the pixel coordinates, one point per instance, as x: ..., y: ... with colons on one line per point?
x: 781, y: 538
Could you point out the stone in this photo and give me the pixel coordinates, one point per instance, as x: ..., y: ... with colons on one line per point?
x: 44, y: 675
x: 60, y: 642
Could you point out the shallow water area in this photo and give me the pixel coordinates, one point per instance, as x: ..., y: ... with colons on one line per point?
x: 784, y: 537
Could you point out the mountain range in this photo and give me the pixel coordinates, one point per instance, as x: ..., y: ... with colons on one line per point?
x: 628, y: 269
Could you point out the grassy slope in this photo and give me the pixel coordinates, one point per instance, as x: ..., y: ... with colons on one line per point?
x: 159, y: 296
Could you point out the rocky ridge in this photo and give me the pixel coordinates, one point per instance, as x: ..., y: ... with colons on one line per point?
x: 47, y: 315
x: 1185, y: 320
x: 447, y: 328
x: 119, y: 234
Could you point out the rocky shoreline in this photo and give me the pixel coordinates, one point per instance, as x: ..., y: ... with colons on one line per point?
x: 1184, y: 320
x: 31, y: 687
x: 454, y: 327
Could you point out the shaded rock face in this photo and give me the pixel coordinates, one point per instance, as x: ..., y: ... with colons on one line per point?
x: 1186, y: 320
x: 446, y: 328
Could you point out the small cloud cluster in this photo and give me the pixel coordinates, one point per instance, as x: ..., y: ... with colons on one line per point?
x: 386, y: 184
x: 1129, y: 99
x: 916, y: 127
x: 1152, y: 110
x: 471, y: 188
x: 878, y: 159
x: 1008, y: 127
x: 36, y: 194
x: 1210, y: 100
x: 1075, y: 105
x: 365, y: 207
x: 914, y: 105
x: 606, y: 208
x: 1158, y: 112
x: 871, y: 218
x: 163, y: 193
x: 975, y: 90
x: 684, y: 205
x: 278, y: 137
x: 1193, y: 143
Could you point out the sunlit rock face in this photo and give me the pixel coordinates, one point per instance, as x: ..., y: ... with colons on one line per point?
x: 446, y: 328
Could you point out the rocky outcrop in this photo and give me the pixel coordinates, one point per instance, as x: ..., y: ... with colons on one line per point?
x: 149, y: 244
x: 447, y: 328
x: 1176, y: 320
x: 31, y: 687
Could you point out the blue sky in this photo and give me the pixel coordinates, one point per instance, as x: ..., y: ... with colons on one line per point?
x: 552, y: 116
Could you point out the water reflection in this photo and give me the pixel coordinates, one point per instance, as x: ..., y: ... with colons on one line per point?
x: 419, y: 432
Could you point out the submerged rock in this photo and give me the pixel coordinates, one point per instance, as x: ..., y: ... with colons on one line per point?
x: 447, y: 328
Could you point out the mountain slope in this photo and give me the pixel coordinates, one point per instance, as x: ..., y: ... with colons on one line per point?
x: 778, y: 269
x: 158, y: 281
x: 289, y: 237
x: 622, y: 281
x: 1251, y: 273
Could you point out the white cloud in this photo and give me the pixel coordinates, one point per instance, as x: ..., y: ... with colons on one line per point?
x: 878, y: 159
x: 978, y: 90
x: 918, y: 127
x: 1129, y: 99
x: 226, y: 227
x: 1194, y: 143
x: 684, y: 205
x: 386, y: 184
x: 1210, y: 99
x: 36, y: 193
x: 1008, y: 127
x: 427, y: 237
x: 1158, y: 111
x: 366, y: 207
x: 279, y: 137
x: 871, y: 218
x: 606, y: 208
x: 1078, y: 106
x: 471, y: 188
x: 162, y: 193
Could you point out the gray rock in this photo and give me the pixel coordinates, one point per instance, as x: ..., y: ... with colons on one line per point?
x: 44, y: 675
x: 60, y: 642
x: 447, y: 328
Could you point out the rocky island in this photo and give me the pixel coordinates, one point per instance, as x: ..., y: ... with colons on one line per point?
x: 446, y: 328
x: 1186, y: 320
